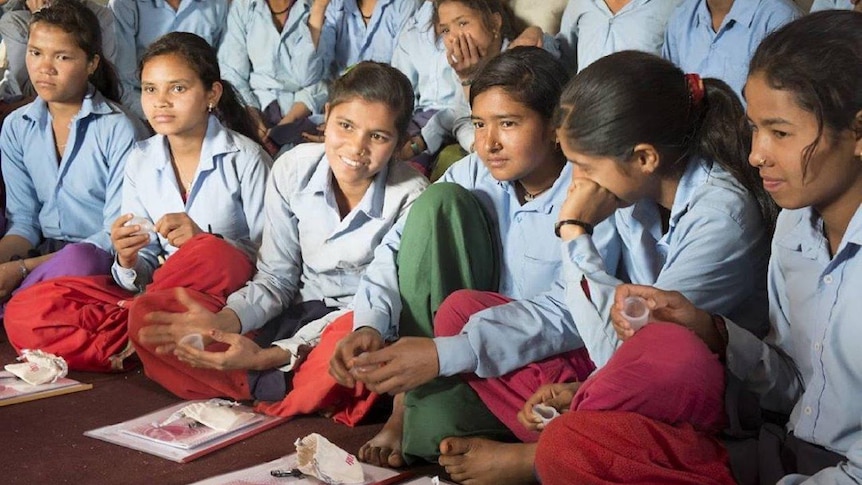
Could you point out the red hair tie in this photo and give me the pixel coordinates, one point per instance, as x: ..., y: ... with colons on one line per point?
x: 695, y: 88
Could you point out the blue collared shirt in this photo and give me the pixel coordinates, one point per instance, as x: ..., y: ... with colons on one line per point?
x: 589, y: 30
x: 346, y: 40
x: 76, y: 197
x: 15, y: 31
x: 503, y: 338
x: 137, y: 23
x: 266, y: 65
x: 309, y: 252
x: 694, y: 46
x: 422, y: 58
x: 714, y: 252
x: 810, y: 365
x: 831, y: 5
x: 226, y: 196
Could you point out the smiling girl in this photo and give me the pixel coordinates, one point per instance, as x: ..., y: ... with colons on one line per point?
x: 485, y: 229
x: 63, y: 156
x: 327, y: 206
x: 195, y: 173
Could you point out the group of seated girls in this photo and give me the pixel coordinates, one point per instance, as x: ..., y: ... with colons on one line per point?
x: 336, y: 275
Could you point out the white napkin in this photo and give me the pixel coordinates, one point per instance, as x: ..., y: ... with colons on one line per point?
x: 318, y: 457
x: 217, y: 414
x: 39, y: 367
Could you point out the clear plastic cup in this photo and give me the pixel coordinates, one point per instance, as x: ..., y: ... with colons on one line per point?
x: 147, y: 227
x: 545, y: 413
x: 195, y: 340
x: 636, y: 311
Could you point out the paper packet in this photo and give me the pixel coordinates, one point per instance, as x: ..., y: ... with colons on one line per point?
x: 318, y: 457
x: 39, y: 367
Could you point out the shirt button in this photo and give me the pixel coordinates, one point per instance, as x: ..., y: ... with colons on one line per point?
x: 807, y: 410
x: 827, y: 279
x: 817, y: 346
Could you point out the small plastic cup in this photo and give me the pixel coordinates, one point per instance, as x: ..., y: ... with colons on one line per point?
x: 636, y: 311
x: 545, y: 413
x: 147, y: 227
x: 195, y: 340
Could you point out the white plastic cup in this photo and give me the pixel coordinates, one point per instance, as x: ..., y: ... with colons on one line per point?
x: 147, y: 227
x: 194, y: 340
x: 636, y: 312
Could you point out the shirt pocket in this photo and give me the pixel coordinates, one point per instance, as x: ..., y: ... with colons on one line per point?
x: 539, y: 272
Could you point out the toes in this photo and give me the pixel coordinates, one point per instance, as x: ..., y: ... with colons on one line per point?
x: 454, y: 446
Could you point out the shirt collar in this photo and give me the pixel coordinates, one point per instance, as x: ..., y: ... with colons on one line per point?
x: 93, y: 103
x: 696, y: 174
x: 217, y: 141
x: 321, y: 181
x: 548, y: 200
x: 807, y: 236
x: 741, y: 12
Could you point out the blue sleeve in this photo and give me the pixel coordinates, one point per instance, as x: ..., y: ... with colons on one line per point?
x: 313, y: 97
x: 279, y: 262
x: 126, y: 30
x: 253, y: 189
x: 233, y: 54
x: 22, y: 202
x: 377, y: 303
x: 134, y: 190
x: 710, y: 261
x: 109, y: 38
x: 122, y: 138
x: 507, y: 337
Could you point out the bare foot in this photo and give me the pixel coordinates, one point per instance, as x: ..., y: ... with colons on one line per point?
x: 482, y: 461
x: 385, y: 448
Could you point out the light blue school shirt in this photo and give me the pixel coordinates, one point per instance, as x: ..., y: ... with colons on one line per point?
x: 695, y: 47
x: 831, y: 5
x: 714, y: 252
x: 809, y: 365
x: 346, y: 40
x: 76, y: 197
x: 266, y: 65
x: 309, y: 252
x: 503, y: 338
x: 421, y: 56
x: 226, y: 196
x: 589, y: 31
x: 137, y: 23
x: 15, y: 31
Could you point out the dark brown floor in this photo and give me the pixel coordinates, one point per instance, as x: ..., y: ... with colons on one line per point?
x: 42, y: 441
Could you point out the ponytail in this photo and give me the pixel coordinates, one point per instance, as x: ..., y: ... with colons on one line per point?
x: 631, y: 97
x: 721, y: 135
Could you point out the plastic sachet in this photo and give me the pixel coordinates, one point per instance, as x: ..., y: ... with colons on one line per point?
x: 38, y: 367
x: 318, y: 457
x: 147, y: 227
x: 218, y: 414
